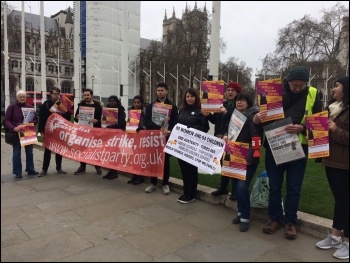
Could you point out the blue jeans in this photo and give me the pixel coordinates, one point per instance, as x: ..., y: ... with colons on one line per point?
x: 243, y: 197
x: 17, y: 161
x: 295, y: 172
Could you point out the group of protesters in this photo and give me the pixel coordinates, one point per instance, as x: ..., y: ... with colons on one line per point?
x: 299, y: 101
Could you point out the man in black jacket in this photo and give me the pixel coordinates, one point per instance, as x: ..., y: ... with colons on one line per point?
x: 96, y: 121
x: 149, y: 122
x: 43, y: 116
x: 232, y: 89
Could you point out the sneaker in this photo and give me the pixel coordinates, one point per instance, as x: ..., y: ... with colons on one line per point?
x: 187, y: 199
x: 80, y: 170
x: 180, y: 198
x: 98, y: 170
x: 33, y: 173
x: 329, y: 242
x: 342, y: 252
x: 290, y: 231
x: 166, y: 189
x: 60, y: 171
x: 42, y: 173
x: 271, y: 227
x: 236, y: 220
x: 219, y: 192
x: 244, y: 226
x: 150, y: 188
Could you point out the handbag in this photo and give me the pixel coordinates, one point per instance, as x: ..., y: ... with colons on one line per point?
x: 9, y: 137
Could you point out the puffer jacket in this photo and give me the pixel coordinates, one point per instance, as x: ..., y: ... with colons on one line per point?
x: 339, y: 143
x: 193, y: 118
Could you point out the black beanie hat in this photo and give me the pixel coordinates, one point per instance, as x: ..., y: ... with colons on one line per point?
x: 298, y: 73
x: 344, y: 81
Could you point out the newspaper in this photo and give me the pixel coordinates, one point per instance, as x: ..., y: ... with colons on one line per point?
x: 28, y: 135
x: 212, y: 95
x: 236, y: 124
x: 28, y: 114
x: 317, y: 133
x: 161, y: 114
x: 285, y: 146
x: 109, y: 117
x: 134, y: 117
x: 86, y: 114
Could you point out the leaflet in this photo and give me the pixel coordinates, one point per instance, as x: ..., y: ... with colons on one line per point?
x: 86, y: 114
x: 317, y: 133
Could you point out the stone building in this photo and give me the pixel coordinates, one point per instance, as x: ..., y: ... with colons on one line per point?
x: 59, y: 37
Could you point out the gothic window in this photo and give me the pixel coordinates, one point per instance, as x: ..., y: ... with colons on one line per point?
x: 32, y: 66
x: 29, y: 84
x: 49, y: 84
x: 39, y: 67
x: 51, y: 68
x: 67, y: 71
x: 14, y: 64
x: 66, y: 86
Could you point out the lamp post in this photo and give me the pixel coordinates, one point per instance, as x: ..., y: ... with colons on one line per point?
x: 33, y: 61
x: 92, y: 79
x: 58, y: 73
x: 99, y: 76
x: 150, y: 81
x: 177, y: 83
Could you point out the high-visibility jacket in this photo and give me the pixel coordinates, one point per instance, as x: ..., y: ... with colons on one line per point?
x: 310, y: 102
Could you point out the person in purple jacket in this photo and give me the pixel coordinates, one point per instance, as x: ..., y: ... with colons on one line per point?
x: 14, y: 122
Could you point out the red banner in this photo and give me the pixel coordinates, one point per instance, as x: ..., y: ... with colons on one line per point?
x: 139, y: 153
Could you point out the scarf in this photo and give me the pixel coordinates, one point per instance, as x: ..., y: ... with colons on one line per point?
x: 335, y: 108
x: 230, y: 103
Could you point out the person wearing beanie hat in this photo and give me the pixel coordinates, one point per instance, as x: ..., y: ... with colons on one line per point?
x: 232, y: 89
x: 298, y: 101
x: 298, y: 73
x: 337, y: 168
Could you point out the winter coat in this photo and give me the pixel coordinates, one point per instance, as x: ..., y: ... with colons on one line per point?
x: 248, y: 131
x: 193, y: 118
x: 339, y: 143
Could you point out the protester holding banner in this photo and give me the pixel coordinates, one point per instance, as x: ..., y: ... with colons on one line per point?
x: 245, y: 105
x: 138, y: 105
x: 88, y: 101
x: 190, y: 115
x: 150, y: 124
x: 44, y: 114
x: 232, y: 89
x: 337, y: 168
x: 14, y: 122
x: 299, y: 100
x: 113, y: 102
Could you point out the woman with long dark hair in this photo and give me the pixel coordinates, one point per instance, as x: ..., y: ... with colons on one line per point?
x: 190, y: 115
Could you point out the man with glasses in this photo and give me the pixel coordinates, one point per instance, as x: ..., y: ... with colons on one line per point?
x: 43, y: 116
x: 299, y: 101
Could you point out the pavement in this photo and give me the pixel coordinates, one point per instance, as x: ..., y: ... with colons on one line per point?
x: 83, y: 218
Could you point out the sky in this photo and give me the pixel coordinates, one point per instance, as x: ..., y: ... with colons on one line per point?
x: 249, y: 28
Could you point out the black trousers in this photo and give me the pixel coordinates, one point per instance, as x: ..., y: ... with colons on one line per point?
x: 166, y: 171
x: 47, y: 159
x: 190, y: 178
x: 338, y: 180
x: 224, y: 182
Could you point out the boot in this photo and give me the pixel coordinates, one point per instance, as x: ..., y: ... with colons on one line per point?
x: 114, y: 174
x: 133, y: 179
x: 138, y: 180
